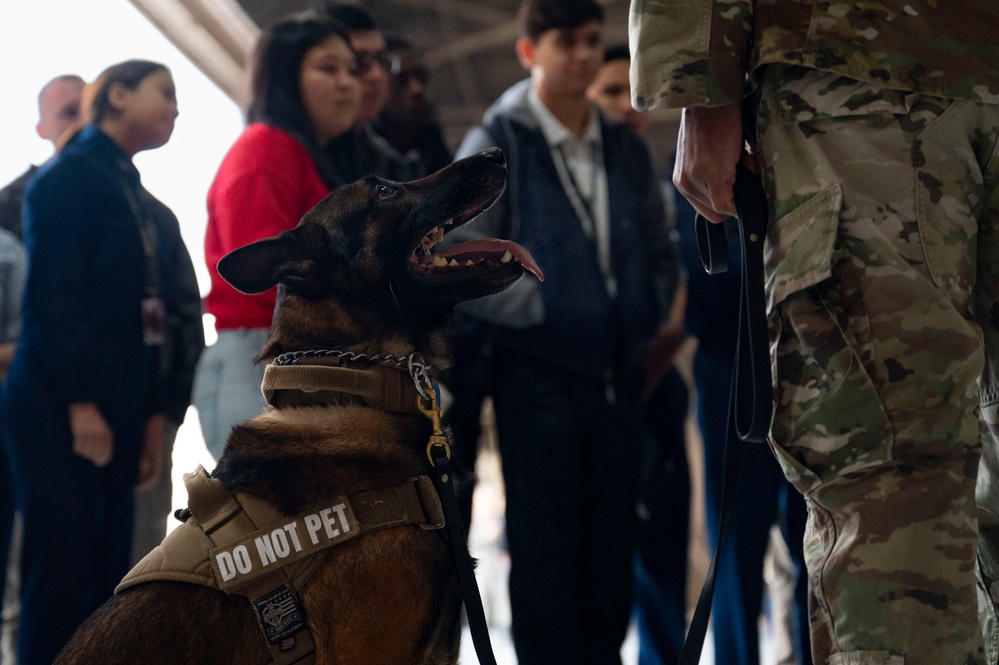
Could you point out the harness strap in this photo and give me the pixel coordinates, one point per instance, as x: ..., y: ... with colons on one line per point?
x: 279, y: 612
x: 268, y: 564
x: 313, y: 384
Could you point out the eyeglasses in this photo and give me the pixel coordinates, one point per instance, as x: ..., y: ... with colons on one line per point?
x: 388, y: 61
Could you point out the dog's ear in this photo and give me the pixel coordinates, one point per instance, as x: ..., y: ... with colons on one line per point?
x: 295, y: 258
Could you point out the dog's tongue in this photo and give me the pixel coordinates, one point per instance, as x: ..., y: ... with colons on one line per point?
x: 492, y: 249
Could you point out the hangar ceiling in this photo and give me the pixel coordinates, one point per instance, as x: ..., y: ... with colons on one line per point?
x: 467, y: 45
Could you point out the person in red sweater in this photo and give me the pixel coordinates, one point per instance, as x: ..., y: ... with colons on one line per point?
x: 305, y: 92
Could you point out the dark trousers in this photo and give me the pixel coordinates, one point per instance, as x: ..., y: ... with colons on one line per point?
x: 662, y: 532
x: 469, y: 381
x: 762, y: 496
x: 570, y: 462
x: 77, y: 537
x: 152, y: 507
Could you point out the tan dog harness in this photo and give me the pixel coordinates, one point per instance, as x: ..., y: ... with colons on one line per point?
x: 240, y: 544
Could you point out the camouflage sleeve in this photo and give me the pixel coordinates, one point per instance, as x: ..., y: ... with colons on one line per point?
x: 689, y: 52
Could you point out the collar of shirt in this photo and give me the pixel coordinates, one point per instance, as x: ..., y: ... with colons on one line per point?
x: 555, y: 132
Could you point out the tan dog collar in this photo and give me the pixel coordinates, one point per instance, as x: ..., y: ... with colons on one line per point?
x: 320, y: 377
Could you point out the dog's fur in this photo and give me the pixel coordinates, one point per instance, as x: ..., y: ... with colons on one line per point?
x: 348, y: 281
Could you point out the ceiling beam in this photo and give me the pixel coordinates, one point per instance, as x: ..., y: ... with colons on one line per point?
x: 503, y: 34
x: 216, y: 35
x: 462, y: 9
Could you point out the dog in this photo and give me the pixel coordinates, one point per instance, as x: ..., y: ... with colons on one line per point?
x: 357, y: 275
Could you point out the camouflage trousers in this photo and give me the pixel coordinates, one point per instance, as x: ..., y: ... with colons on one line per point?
x: 883, y: 286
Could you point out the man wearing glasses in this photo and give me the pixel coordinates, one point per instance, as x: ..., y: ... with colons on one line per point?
x: 362, y: 152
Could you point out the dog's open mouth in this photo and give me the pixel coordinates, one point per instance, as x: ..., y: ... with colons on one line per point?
x: 485, y: 253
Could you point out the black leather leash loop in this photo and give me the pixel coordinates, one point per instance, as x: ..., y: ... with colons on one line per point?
x: 751, y: 393
x: 443, y: 478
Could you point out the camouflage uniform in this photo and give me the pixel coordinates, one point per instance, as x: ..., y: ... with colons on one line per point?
x: 878, y: 141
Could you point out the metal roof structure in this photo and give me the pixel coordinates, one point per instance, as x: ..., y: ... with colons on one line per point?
x: 467, y: 45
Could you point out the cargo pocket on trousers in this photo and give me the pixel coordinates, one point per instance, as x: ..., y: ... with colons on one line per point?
x: 800, y: 245
x: 829, y: 419
x: 798, y: 255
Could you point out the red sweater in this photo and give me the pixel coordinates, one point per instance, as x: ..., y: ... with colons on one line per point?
x: 266, y: 183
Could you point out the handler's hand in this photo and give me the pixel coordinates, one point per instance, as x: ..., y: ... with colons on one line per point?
x: 709, y: 146
x: 92, y: 437
x: 153, y: 451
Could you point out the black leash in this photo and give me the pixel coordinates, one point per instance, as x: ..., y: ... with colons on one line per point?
x: 444, y: 482
x: 751, y: 394
x: 439, y: 454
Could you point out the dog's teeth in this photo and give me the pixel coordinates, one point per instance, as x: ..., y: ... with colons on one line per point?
x: 439, y: 234
x: 439, y: 261
x: 449, y: 222
x: 453, y: 263
x: 469, y: 262
x: 506, y: 257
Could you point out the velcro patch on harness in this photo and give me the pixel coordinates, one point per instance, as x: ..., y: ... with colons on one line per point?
x: 278, y: 545
x: 281, y: 616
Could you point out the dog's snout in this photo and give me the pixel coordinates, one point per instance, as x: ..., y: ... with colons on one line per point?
x: 494, y: 155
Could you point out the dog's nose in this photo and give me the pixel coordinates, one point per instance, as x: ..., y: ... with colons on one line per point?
x: 494, y: 155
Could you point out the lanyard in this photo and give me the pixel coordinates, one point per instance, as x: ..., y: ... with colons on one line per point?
x: 589, y: 219
x: 584, y: 206
x: 147, y: 230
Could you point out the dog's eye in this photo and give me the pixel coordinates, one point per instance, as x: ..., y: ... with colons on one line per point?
x: 385, y: 192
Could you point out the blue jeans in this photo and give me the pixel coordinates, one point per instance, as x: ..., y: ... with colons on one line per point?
x: 227, y: 385
x: 661, y: 535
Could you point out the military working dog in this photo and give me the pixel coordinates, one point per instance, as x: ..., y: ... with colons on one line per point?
x: 361, y: 291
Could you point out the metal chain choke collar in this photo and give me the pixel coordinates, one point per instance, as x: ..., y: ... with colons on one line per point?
x: 413, y: 364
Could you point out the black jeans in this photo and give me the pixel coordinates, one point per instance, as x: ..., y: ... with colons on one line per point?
x: 570, y: 466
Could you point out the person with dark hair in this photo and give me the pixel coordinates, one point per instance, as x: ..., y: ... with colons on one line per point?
x: 764, y: 498
x: 662, y: 530
x: 408, y: 122
x: 305, y: 94
x: 565, y: 366
x: 611, y: 89
x: 363, y: 152
x: 82, y: 407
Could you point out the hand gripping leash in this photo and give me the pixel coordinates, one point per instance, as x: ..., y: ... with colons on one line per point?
x: 751, y: 395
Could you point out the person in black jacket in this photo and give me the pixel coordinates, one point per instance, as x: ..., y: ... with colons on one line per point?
x: 408, y: 122
x: 566, y: 353
x: 83, y: 409
x: 182, y: 347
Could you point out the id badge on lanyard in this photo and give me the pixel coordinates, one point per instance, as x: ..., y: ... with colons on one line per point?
x: 153, y: 309
x: 153, y: 321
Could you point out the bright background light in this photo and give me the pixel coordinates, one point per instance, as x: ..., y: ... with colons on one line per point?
x: 42, y: 39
